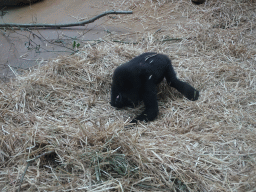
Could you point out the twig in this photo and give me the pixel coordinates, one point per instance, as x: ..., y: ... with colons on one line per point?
x: 125, y: 42
x: 3, y: 12
x: 38, y: 156
x: 64, y: 25
x: 28, y: 164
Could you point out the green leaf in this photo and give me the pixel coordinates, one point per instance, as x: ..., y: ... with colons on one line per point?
x: 74, y: 44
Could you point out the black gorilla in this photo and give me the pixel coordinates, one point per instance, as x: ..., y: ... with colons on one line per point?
x: 198, y: 2
x: 136, y: 80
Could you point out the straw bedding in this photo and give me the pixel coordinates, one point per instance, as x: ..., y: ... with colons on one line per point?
x: 59, y: 132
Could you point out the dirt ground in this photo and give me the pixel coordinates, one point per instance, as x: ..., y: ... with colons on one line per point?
x: 59, y: 132
x: 22, y: 49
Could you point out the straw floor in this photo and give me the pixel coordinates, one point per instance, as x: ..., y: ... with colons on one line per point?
x: 59, y: 132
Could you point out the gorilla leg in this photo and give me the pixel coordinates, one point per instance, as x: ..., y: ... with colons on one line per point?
x: 184, y: 88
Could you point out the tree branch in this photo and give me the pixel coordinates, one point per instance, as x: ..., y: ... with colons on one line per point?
x: 64, y: 25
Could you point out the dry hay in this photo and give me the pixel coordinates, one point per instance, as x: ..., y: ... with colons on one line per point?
x: 58, y: 115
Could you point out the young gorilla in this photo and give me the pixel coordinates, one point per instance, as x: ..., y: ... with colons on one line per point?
x: 136, y: 80
x: 198, y: 2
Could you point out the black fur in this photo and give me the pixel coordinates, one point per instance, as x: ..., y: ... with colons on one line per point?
x: 136, y: 81
x: 198, y: 2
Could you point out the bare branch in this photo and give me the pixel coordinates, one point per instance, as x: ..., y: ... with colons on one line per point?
x: 64, y: 25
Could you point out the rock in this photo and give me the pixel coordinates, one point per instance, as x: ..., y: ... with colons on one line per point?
x: 16, y: 2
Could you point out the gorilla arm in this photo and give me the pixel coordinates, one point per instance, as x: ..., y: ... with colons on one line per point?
x: 150, y: 102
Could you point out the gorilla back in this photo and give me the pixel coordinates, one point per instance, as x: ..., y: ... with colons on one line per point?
x: 137, y: 79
